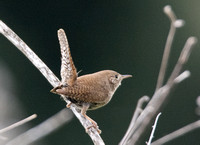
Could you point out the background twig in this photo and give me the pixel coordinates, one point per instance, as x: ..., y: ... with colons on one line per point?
x: 188, y: 128
x: 137, y: 112
x: 43, y: 129
x: 153, y: 130
x: 18, y: 123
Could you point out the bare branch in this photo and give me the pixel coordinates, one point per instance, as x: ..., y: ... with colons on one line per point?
x: 137, y: 112
x: 180, y: 132
x: 162, y: 92
x: 153, y: 130
x: 26, y: 50
x: 191, y: 41
x: 152, y: 108
x: 174, y: 23
x: 43, y: 129
x: 182, y: 76
x: 138, y: 126
x: 18, y: 123
x: 48, y: 74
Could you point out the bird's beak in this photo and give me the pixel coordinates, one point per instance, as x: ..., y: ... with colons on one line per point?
x: 126, y: 76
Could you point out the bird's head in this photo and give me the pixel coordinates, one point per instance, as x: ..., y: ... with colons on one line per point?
x: 113, y: 78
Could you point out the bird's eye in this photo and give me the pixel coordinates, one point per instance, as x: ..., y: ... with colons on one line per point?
x: 116, y: 76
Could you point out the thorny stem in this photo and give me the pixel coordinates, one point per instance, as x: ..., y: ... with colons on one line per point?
x: 153, y: 130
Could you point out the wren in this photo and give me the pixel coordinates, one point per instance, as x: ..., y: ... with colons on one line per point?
x: 87, y: 92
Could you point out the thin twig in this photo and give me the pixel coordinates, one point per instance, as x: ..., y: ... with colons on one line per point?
x: 137, y: 112
x: 169, y: 12
x: 48, y: 74
x: 182, y: 76
x: 180, y: 132
x: 43, y: 129
x: 191, y: 41
x: 18, y: 123
x: 153, y: 130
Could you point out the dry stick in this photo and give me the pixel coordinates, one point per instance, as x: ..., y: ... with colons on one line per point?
x: 183, y: 57
x: 168, y: 11
x: 137, y: 112
x: 186, y: 129
x: 43, y: 129
x: 18, y: 123
x: 47, y: 73
x: 153, y: 130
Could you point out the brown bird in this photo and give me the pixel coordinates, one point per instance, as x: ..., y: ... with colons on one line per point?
x: 89, y: 91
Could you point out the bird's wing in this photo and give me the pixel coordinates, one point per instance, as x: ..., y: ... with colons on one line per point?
x: 68, y: 70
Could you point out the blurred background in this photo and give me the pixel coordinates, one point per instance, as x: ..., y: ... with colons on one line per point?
x: 125, y: 36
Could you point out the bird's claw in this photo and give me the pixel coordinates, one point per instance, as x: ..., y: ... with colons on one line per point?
x: 94, y: 124
x: 69, y: 104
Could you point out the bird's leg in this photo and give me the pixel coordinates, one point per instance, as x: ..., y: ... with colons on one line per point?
x: 94, y: 124
x: 69, y: 104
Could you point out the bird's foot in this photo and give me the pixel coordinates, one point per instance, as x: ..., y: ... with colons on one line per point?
x: 69, y: 104
x: 94, y: 124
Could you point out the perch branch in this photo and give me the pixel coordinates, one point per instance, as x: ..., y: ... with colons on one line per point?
x: 180, y: 132
x: 18, y: 123
x: 47, y: 73
x: 26, y: 50
x: 43, y: 129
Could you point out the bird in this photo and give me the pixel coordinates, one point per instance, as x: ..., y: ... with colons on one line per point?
x: 87, y: 92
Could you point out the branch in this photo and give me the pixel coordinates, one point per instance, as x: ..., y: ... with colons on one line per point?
x: 191, y: 41
x: 43, y: 129
x: 48, y: 74
x: 26, y: 50
x: 137, y: 112
x: 153, y: 130
x: 174, y: 24
x: 18, y: 123
x: 180, y: 132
